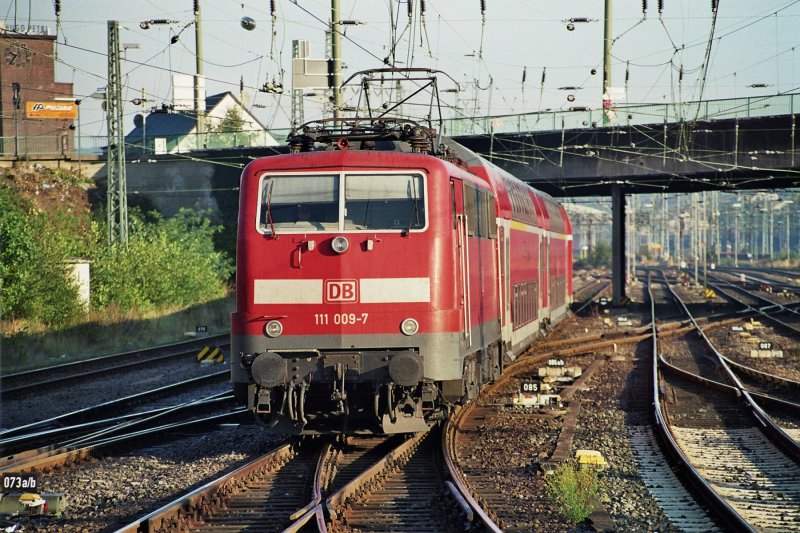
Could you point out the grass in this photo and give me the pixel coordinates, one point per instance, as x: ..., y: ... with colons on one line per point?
x: 24, y: 347
x: 574, y: 491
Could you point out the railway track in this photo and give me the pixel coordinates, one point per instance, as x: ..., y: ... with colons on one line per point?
x: 36, y: 460
x: 748, y: 479
x: 776, y: 278
x: 108, y: 413
x: 22, y: 383
x: 784, y: 313
x: 405, y: 491
x: 588, y: 294
x: 678, y: 504
x: 509, y: 494
x: 371, y: 485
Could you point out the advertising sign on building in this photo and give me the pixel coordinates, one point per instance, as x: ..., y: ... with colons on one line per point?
x: 58, y: 110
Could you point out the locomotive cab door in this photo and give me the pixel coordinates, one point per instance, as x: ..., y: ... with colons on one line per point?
x: 461, y: 254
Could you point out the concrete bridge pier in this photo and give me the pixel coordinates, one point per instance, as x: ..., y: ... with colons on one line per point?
x: 618, y: 244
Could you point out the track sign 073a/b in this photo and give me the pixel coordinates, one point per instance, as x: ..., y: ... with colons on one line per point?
x: 19, y: 482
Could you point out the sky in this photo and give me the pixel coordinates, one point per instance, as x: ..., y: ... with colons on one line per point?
x: 516, y: 56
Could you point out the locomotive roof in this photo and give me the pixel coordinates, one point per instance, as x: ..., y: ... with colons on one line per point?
x: 403, y: 142
x: 321, y: 160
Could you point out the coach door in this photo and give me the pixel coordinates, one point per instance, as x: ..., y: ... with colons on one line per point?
x: 461, y: 254
x: 544, y: 273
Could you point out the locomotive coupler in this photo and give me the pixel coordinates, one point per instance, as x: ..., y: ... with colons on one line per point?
x: 339, y: 394
x: 263, y: 401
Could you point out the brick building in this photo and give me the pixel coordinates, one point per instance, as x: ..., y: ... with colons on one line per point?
x: 41, y: 123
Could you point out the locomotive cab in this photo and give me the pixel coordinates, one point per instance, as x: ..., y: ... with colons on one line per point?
x: 338, y: 307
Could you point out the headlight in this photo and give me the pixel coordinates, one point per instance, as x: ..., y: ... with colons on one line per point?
x: 409, y: 326
x: 273, y: 328
x: 340, y: 244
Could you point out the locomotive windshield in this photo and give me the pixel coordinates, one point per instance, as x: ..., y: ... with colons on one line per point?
x: 342, y: 202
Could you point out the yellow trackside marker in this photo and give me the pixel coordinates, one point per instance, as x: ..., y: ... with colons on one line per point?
x: 209, y: 355
x: 202, y: 353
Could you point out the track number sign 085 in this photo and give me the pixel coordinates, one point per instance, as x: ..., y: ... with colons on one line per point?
x: 528, y: 387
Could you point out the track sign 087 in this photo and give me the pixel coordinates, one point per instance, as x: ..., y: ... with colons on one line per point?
x: 764, y: 345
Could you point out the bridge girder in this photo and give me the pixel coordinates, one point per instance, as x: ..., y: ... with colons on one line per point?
x: 729, y: 154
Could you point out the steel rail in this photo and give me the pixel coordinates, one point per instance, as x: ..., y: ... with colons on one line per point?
x: 39, y: 439
x: 592, y: 296
x: 461, y: 485
x: 721, y: 507
x: 773, y: 430
x: 62, y: 457
x: 314, y: 509
x: 763, y: 376
x: 113, y: 405
x: 789, y: 307
x: 793, y: 285
x: 181, y: 511
x: 102, y: 435
x: 8, y: 392
x: 338, y: 499
x: 144, y: 353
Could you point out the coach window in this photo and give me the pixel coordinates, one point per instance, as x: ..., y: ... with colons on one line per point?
x: 491, y: 217
x: 471, y: 210
x: 299, y: 203
x: 384, y: 202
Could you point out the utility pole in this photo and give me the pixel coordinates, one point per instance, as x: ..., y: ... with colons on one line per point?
x: 117, y: 196
x: 695, y: 240
x: 15, y: 87
x: 788, y: 234
x: 704, y: 237
x: 199, y: 103
x: 335, y: 62
x: 607, y: 62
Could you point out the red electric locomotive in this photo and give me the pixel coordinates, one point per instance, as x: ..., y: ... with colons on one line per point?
x: 378, y: 287
x: 375, y: 288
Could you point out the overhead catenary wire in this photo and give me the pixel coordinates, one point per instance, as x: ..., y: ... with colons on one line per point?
x: 501, y: 84
x: 707, y: 57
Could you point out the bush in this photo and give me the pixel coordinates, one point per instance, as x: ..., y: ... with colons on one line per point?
x: 574, y: 491
x: 34, y: 280
x: 166, y: 263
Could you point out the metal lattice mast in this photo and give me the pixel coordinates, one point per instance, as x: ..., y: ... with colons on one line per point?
x: 117, y: 189
x: 299, y: 50
x: 328, y: 107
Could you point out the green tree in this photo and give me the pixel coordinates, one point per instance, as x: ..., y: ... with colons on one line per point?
x: 230, y: 131
x: 232, y: 121
x: 601, y: 255
x: 35, y: 283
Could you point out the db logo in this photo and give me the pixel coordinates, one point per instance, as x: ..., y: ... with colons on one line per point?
x: 37, y: 107
x: 341, y: 290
